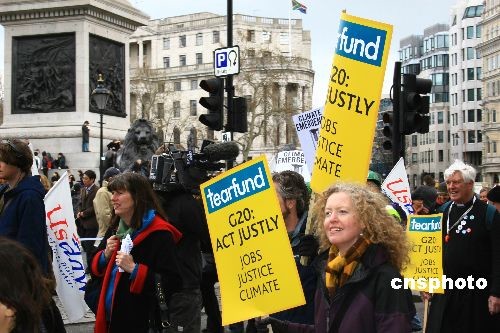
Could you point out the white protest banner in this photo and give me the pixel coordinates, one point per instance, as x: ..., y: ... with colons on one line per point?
x: 67, y: 255
x: 307, y: 125
x: 397, y: 188
x: 292, y: 160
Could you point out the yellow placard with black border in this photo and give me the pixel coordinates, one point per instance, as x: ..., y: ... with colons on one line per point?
x: 352, y: 102
x: 255, y: 264
x: 426, y: 253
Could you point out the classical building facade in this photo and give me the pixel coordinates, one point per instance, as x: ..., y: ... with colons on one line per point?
x: 169, y: 57
x: 490, y: 52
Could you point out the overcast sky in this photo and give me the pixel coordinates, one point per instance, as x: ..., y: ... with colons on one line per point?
x: 322, y: 19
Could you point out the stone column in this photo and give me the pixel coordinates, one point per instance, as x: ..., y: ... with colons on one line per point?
x: 141, y: 54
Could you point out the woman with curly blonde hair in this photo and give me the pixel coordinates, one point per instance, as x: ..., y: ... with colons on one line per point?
x: 369, y: 209
x: 362, y: 249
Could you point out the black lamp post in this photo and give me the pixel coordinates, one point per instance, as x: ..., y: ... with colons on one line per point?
x: 100, y: 96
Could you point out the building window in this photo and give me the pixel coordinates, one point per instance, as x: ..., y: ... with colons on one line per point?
x: 478, y: 73
x: 440, y: 117
x: 250, y: 35
x: 161, y: 87
x: 193, y: 104
x: 414, y: 158
x: 471, y: 136
x: 440, y: 155
x: 494, y: 116
x: 470, y: 95
x: 177, y: 86
x: 266, y: 36
x: 479, y: 115
x: 194, y: 84
x: 199, y: 58
x: 182, y: 41
x: 166, y: 62
x: 284, y: 38
x: 440, y: 137
x: 215, y: 37
x: 470, y: 53
x: 192, y: 139
x: 166, y: 43
x: 470, y: 116
x: 199, y: 38
x: 478, y: 31
x: 470, y: 74
x: 182, y: 60
x: 177, y: 110
x: 479, y: 94
x: 414, y: 141
x: 479, y: 136
x: 177, y: 135
x: 470, y: 32
x: 160, y: 108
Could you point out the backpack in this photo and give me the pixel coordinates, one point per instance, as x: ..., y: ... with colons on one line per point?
x: 490, y: 213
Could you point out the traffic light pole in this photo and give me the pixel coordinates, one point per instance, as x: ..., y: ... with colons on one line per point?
x: 397, y: 136
x: 229, y: 78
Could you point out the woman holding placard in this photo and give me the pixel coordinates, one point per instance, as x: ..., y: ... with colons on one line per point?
x: 362, y: 251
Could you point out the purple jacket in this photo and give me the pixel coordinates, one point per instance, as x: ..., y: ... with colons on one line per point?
x: 370, y: 303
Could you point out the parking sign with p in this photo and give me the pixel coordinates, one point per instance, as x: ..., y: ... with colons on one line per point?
x: 227, y: 61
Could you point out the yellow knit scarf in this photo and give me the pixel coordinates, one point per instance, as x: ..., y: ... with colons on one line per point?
x: 340, y: 268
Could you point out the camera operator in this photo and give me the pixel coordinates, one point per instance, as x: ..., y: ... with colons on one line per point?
x: 186, y: 214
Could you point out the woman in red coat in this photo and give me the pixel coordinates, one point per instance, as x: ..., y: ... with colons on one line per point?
x: 127, y: 298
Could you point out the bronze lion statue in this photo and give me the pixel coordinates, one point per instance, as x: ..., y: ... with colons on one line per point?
x: 140, y: 143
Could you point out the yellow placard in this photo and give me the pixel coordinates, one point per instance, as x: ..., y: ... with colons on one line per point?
x: 352, y: 102
x: 426, y: 256
x: 255, y: 264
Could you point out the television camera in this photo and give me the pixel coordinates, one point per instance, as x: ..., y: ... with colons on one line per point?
x: 176, y: 169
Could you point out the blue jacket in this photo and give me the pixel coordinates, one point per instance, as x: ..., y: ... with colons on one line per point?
x: 371, y: 304
x: 23, y: 218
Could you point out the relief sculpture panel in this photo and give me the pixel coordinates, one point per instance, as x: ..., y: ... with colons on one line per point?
x: 108, y: 58
x: 43, y: 73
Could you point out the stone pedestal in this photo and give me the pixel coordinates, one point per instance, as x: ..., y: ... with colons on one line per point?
x: 51, y: 64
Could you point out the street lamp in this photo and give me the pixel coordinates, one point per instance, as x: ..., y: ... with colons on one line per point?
x: 100, y: 96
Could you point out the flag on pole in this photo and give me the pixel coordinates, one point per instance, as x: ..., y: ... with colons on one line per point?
x: 397, y: 188
x: 298, y: 6
x: 67, y: 254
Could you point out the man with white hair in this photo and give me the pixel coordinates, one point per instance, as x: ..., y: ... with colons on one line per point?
x: 471, y: 250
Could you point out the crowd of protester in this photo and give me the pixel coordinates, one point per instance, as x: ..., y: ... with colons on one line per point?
x: 357, y: 247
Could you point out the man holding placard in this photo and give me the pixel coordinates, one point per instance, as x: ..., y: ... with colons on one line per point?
x: 250, y: 243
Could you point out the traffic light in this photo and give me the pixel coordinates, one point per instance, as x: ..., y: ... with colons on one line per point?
x: 414, y: 107
x: 214, y: 103
x: 237, y: 119
x: 388, y: 131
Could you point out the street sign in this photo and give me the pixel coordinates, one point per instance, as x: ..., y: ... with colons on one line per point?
x: 225, y: 136
x: 227, y: 61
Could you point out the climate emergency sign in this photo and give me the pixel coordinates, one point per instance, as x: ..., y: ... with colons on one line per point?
x: 352, y: 101
x: 255, y: 264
